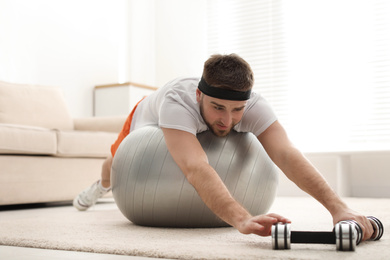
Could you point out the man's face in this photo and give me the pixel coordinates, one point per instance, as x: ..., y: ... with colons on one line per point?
x: 220, y: 115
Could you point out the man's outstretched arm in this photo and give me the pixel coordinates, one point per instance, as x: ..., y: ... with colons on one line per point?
x: 192, y: 160
x: 299, y: 170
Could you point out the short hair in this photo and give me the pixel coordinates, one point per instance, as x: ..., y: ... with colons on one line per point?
x: 229, y: 72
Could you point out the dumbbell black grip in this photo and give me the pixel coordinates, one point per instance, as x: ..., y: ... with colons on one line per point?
x: 313, y: 237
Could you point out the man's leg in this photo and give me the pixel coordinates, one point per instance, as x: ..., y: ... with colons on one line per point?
x: 89, y: 196
x: 106, y: 173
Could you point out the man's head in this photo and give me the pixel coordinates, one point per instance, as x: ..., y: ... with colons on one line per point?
x: 223, y: 92
x: 228, y: 72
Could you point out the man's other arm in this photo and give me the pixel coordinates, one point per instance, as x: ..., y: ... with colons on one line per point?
x: 299, y: 170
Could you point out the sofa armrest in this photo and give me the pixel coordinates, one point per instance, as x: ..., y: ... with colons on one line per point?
x: 103, y: 124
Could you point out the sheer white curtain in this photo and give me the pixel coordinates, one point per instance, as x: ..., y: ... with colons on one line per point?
x: 323, y: 65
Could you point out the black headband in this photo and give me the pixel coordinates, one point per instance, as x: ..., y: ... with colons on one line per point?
x: 222, y: 93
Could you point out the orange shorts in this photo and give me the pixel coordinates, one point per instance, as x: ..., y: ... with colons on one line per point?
x: 125, y: 130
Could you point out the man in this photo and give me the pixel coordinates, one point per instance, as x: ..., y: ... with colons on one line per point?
x: 222, y: 101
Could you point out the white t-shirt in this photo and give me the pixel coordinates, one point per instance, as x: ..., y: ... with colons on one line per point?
x: 174, y: 106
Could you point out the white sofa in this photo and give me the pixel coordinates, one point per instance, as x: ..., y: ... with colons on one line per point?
x: 45, y: 155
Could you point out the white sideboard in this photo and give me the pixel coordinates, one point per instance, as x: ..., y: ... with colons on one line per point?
x: 118, y: 99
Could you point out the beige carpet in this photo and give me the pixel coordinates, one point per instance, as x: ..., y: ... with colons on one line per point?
x: 104, y: 230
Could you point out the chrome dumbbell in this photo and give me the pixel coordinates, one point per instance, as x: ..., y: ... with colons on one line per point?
x: 346, y: 235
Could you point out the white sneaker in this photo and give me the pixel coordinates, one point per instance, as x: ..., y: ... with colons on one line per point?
x: 89, y: 196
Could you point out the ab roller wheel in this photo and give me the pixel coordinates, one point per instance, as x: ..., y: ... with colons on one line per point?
x: 345, y: 235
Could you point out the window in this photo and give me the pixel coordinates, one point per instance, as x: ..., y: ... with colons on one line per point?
x: 323, y: 65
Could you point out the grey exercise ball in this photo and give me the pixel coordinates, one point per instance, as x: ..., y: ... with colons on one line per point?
x: 150, y: 189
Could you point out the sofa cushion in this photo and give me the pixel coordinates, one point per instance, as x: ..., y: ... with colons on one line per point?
x: 84, y: 143
x: 34, y: 105
x: 18, y: 139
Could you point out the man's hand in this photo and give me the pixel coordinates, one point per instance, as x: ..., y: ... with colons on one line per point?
x: 261, y: 225
x: 364, y: 223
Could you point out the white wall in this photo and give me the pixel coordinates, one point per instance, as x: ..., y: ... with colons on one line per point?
x: 167, y: 39
x: 180, y: 39
x: 141, y: 43
x: 79, y: 44
x: 71, y: 44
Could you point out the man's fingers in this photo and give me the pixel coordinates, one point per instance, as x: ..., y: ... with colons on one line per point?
x: 265, y: 219
x: 367, y: 229
x: 279, y: 218
x: 262, y: 224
